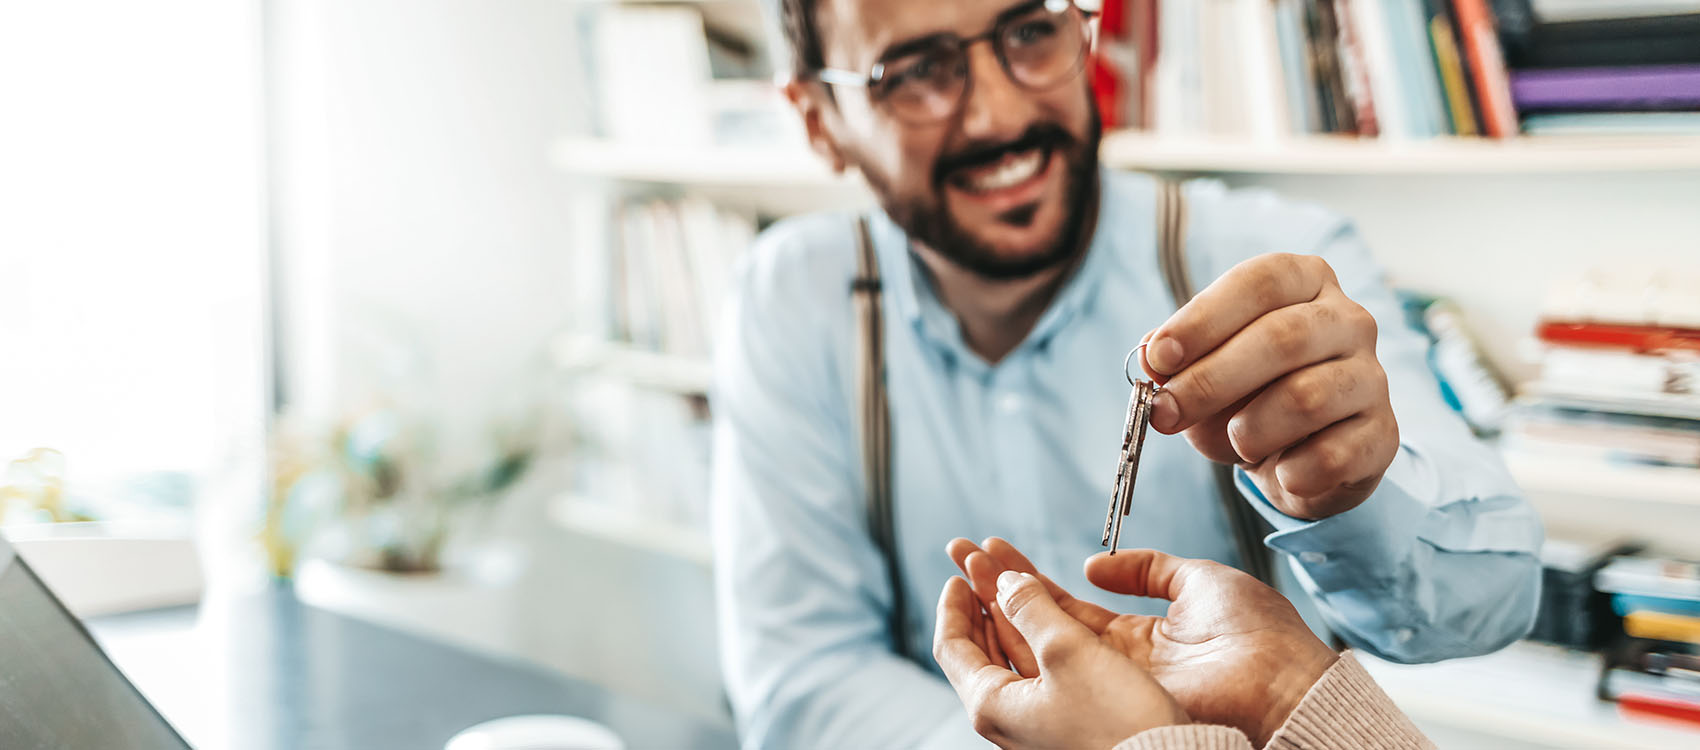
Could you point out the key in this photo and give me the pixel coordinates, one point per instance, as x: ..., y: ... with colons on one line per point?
x: 1127, y: 467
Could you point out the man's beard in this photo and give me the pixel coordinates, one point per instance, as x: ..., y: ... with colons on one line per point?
x: 933, y: 226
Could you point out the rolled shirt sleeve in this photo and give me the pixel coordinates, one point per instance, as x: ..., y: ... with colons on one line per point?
x: 1441, y: 560
x: 801, y: 590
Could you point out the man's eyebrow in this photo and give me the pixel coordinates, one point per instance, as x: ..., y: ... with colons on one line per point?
x: 916, y: 44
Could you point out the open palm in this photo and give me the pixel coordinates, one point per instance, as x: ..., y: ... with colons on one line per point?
x: 1231, y: 650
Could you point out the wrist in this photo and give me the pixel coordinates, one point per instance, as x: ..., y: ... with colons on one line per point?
x: 1290, y: 686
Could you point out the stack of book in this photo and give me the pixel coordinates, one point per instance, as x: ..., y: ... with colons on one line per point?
x: 1655, y: 670
x: 1620, y: 377
x: 1604, y: 66
x: 652, y: 273
x: 1391, y: 68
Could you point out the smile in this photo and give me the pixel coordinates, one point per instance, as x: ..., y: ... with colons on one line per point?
x: 1011, y: 170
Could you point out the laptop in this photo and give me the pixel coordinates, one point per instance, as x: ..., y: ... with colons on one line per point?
x: 57, y: 687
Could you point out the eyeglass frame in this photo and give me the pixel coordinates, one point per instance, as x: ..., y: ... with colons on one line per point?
x: 868, y: 81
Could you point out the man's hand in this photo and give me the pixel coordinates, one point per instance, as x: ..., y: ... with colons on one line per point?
x: 1231, y: 650
x: 1087, y: 695
x: 1273, y: 368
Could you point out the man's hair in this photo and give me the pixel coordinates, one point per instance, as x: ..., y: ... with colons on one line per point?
x: 797, y: 21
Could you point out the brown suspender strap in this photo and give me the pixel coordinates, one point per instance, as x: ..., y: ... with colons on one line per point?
x: 874, y: 416
x: 1248, y: 527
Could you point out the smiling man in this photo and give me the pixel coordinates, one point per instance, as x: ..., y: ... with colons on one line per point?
x: 1015, y: 274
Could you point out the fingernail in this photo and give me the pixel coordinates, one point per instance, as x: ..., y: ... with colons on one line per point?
x: 1007, y: 580
x: 1165, y: 413
x: 1164, y: 355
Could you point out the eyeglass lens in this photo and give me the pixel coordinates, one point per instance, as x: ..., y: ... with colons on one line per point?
x: 1039, y: 49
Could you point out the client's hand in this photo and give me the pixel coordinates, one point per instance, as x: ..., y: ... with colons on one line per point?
x: 1087, y: 694
x: 1231, y: 650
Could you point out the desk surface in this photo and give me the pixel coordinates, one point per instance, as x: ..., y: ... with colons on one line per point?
x: 267, y: 672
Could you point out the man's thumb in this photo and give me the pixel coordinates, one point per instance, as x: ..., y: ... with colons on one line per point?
x: 1052, y: 633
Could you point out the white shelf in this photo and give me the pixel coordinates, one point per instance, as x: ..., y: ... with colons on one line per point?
x: 1653, y: 484
x: 726, y: 166
x: 1440, y: 156
x: 797, y: 168
x: 623, y: 527
x: 650, y: 369
x: 1527, y: 693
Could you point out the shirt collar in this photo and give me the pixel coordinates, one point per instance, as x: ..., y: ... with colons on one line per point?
x: 910, y: 295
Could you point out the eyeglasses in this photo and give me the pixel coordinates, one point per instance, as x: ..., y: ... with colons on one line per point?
x: 1040, y: 45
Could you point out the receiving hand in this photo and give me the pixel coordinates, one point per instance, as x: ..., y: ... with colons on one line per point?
x: 1088, y: 693
x: 1273, y: 368
x: 1231, y: 650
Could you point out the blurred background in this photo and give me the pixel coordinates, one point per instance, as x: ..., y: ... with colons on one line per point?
x: 409, y: 303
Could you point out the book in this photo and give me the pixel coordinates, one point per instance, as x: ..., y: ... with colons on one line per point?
x: 1450, y: 69
x: 1654, y: 40
x: 1419, y: 81
x: 1651, y: 577
x: 1662, y: 626
x: 1617, y: 335
x: 1575, y: 10
x: 1354, y: 70
x: 1303, y: 108
x: 1487, y: 67
x: 1612, y: 123
x: 1323, y: 34
x: 1652, y: 87
x: 1636, y: 705
x: 1261, y: 76
x: 1386, y: 90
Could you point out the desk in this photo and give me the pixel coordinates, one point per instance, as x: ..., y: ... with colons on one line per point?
x: 266, y: 672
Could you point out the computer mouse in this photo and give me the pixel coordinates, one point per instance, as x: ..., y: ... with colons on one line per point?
x: 536, y: 732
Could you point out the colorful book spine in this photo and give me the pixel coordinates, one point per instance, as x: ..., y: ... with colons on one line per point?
x: 1450, y: 66
x: 1662, y: 626
x: 1627, y: 337
x: 1487, y: 67
x: 1653, y: 87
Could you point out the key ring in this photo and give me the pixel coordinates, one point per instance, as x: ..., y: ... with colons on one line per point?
x: 1128, y: 361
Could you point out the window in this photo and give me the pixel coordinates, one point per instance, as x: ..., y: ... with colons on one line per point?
x: 132, y: 333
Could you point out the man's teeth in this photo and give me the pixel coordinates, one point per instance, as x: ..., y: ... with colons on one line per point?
x: 1012, y: 171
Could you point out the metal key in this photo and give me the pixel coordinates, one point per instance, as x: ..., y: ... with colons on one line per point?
x: 1127, y: 468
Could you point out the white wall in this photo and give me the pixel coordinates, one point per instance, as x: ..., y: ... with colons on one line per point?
x: 415, y: 197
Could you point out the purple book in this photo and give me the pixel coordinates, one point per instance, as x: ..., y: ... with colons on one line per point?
x: 1649, y: 87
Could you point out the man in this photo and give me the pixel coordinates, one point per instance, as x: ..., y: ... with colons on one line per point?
x: 1016, y: 275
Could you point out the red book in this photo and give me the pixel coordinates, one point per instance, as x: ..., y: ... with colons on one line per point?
x: 1616, y: 336
x: 1638, y: 705
x: 1478, y: 29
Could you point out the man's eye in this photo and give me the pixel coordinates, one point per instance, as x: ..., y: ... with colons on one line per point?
x: 1032, y: 32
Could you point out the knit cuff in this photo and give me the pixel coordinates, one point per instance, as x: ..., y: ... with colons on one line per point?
x: 1187, y: 737
x: 1347, y: 709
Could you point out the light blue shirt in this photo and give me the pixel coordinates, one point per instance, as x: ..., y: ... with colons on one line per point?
x: 1439, y: 562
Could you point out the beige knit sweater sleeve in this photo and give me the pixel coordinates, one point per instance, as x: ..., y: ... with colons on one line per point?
x: 1345, y: 710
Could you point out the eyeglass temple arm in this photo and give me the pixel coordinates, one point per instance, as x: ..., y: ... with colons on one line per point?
x: 840, y: 77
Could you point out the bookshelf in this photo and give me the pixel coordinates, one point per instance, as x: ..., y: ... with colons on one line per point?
x: 794, y: 167
x: 1550, y: 704
x: 1650, y: 484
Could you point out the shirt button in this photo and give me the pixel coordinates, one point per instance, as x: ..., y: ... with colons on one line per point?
x: 1009, y: 403
x: 1312, y: 557
x: 1404, y: 635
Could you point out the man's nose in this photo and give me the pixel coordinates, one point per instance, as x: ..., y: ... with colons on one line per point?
x: 996, y: 107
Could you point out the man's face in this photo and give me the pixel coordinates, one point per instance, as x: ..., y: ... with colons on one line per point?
x: 999, y: 186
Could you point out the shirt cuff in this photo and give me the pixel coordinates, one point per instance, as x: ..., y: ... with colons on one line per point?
x: 1187, y: 737
x: 1347, y: 551
x: 1347, y: 709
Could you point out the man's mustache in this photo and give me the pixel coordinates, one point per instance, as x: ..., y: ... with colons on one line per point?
x: 1046, y: 135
